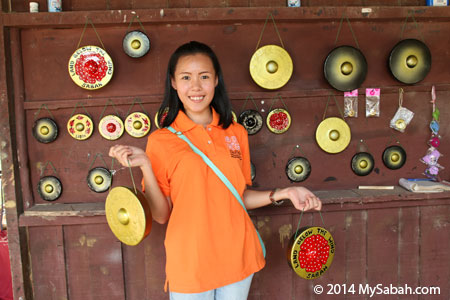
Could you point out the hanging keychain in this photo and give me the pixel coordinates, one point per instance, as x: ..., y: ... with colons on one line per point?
x: 372, y: 102
x: 403, y: 116
x: 45, y: 130
x: 111, y: 126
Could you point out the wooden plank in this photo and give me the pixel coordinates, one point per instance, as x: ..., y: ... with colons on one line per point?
x: 434, y: 245
x: 382, y: 247
x: 275, y: 231
x: 93, y: 263
x: 48, y: 262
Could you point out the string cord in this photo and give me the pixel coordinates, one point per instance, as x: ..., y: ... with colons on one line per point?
x: 264, y: 27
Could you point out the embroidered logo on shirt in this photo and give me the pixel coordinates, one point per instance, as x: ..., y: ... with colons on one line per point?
x: 233, y: 147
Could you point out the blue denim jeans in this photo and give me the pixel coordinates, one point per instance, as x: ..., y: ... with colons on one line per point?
x: 235, y: 291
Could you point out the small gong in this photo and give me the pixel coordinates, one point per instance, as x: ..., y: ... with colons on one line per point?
x: 137, y: 124
x: 45, y: 130
x: 80, y: 127
x: 111, y: 127
x: 310, y: 252
x: 128, y: 215
x: 163, y: 117
x: 362, y: 163
x: 298, y: 169
x: 333, y: 135
x: 49, y: 188
x: 278, y: 120
x: 136, y: 44
x: 251, y: 120
x: 394, y: 157
x: 234, y: 117
x: 99, y: 179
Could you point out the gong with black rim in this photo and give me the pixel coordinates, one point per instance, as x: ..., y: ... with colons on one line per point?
x: 298, y: 169
x: 394, y: 157
x: 45, y: 130
x: 345, y: 68
x: 136, y: 44
x: 251, y: 120
x: 410, y: 61
x: 99, y: 179
x: 362, y: 163
x: 49, y: 188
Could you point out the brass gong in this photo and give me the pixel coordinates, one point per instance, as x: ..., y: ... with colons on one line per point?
x: 49, y: 188
x: 99, y: 179
x: 45, y: 130
x: 251, y: 120
x: 80, y: 127
x: 234, y: 116
x: 137, y: 124
x: 128, y: 215
x: 394, y: 157
x: 278, y: 120
x: 310, y: 252
x: 333, y: 135
x: 165, y: 112
x: 136, y: 44
x: 271, y: 67
x: 298, y: 169
x: 410, y: 61
x: 345, y: 68
x: 362, y: 163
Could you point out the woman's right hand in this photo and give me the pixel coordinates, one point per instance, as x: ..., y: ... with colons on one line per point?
x: 129, y: 155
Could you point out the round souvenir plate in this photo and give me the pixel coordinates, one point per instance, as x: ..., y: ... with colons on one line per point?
x: 278, y: 120
x: 128, y: 215
x: 136, y: 44
x: 49, y: 188
x: 345, y: 68
x: 333, y: 135
x: 311, y: 252
x: 410, y: 61
x: 90, y: 67
x: 111, y: 127
x: 394, y: 157
x: 45, y: 130
x: 80, y: 127
x: 271, y: 67
x: 99, y: 179
x: 298, y: 169
x: 362, y: 163
x: 137, y: 124
x: 251, y: 120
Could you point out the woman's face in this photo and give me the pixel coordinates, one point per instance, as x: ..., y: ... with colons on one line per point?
x: 195, y: 80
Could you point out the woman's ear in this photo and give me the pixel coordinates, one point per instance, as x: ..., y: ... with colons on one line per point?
x: 217, y: 81
x: 173, y: 82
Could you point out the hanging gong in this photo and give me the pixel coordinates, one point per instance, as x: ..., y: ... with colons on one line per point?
x: 49, y: 188
x: 298, y: 169
x: 362, y: 163
x: 137, y: 124
x: 90, y: 67
x: 394, y: 157
x: 45, y: 130
x: 80, y: 127
x: 271, y: 67
x: 136, y: 44
x: 333, y: 135
x: 278, y: 120
x: 128, y: 215
x: 253, y: 170
x: 111, y: 127
x: 234, y: 117
x: 345, y: 68
x: 410, y: 61
x: 251, y: 120
x: 99, y: 179
x: 165, y: 112
x: 310, y: 252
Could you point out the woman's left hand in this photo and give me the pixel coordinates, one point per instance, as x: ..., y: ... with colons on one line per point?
x: 302, y: 198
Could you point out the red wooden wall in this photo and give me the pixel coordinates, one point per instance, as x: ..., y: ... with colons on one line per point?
x: 65, y: 250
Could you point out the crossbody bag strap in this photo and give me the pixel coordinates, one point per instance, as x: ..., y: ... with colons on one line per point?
x: 219, y: 174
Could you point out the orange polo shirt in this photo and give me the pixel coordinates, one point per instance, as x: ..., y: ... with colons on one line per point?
x: 210, y: 239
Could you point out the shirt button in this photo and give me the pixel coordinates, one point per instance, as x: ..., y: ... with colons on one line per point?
x: 209, y: 142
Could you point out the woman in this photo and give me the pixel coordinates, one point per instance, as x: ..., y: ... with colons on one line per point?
x: 212, y: 248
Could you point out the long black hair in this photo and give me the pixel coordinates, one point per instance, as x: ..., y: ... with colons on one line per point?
x: 221, y: 103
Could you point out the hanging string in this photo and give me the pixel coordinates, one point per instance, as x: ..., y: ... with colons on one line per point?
x: 39, y: 111
x: 337, y: 104
x: 95, y: 157
x: 275, y: 99
x: 104, y: 108
x: 264, y: 27
x: 400, y: 97
x: 88, y: 21
x: 132, y: 178
x: 136, y: 100
x: 411, y: 13
x: 300, y: 219
x: 393, y: 137
x: 297, y: 147
x: 45, y: 167
x: 140, y: 23
x: 361, y: 142
x: 245, y: 102
x: 76, y: 105
x: 344, y: 15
